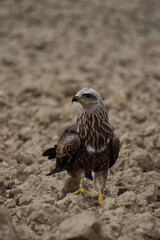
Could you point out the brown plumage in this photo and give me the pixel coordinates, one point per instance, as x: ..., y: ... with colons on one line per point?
x: 89, y: 145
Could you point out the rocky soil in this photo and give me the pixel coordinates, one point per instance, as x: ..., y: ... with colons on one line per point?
x: 49, y: 50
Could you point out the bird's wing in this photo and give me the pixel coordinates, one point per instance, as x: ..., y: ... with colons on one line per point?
x: 68, y: 145
x: 115, y: 147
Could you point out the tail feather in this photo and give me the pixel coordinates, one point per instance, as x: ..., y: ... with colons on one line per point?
x: 56, y: 170
x: 51, y: 153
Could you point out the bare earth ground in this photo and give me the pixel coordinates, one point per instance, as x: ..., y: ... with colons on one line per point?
x: 49, y: 50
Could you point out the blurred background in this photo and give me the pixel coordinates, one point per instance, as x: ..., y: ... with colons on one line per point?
x: 51, y: 49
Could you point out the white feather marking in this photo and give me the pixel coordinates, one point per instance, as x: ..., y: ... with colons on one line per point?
x: 90, y: 148
x: 108, y: 140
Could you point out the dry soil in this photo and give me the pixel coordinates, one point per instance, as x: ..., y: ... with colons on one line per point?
x: 49, y: 50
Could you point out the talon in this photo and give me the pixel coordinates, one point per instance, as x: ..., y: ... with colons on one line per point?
x: 98, y: 202
x: 100, y: 199
x: 81, y: 189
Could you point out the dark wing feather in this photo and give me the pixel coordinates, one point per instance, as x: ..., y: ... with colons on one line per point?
x: 115, y: 147
x: 51, y: 153
x: 56, y: 170
x: 68, y: 145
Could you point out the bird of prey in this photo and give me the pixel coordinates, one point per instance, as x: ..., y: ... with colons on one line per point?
x: 89, y: 145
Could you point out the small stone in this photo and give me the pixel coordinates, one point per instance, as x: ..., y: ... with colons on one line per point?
x: 25, y: 200
x: 150, y: 194
x: 9, y: 142
x: 157, y: 211
x: 1, y: 200
x: 109, y: 204
x: 87, y: 228
x: 45, y: 115
x: 24, y: 158
x: 25, y: 133
x: 10, y: 203
x: 143, y: 159
x: 19, y: 214
x: 17, y: 182
x: 4, y: 163
x: 150, y: 129
x: 148, y: 226
x: 8, y: 184
x: 14, y: 192
x: 125, y: 138
x: 126, y: 199
x: 7, y: 229
x: 157, y: 142
x: 39, y: 217
x: 139, y: 116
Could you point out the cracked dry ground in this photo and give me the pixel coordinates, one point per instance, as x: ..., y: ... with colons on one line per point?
x: 49, y: 50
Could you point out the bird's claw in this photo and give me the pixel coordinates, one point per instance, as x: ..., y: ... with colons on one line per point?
x: 98, y: 202
x: 100, y: 199
x: 81, y: 190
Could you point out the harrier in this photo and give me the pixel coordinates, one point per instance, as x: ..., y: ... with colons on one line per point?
x: 89, y: 145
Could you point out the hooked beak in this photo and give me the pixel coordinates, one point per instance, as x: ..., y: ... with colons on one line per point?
x: 75, y: 98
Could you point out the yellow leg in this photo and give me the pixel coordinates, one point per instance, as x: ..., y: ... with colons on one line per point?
x: 100, y: 199
x: 81, y: 189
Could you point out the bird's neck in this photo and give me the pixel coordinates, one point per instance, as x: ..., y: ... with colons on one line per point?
x: 94, y: 126
x: 91, y: 114
x: 93, y: 119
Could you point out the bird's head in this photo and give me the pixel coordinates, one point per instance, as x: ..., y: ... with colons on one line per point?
x: 88, y: 97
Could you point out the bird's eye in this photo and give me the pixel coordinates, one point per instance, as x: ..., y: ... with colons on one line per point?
x: 88, y: 95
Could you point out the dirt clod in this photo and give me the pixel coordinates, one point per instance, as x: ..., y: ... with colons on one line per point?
x: 50, y: 50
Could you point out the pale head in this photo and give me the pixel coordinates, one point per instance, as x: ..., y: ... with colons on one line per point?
x: 88, y: 98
